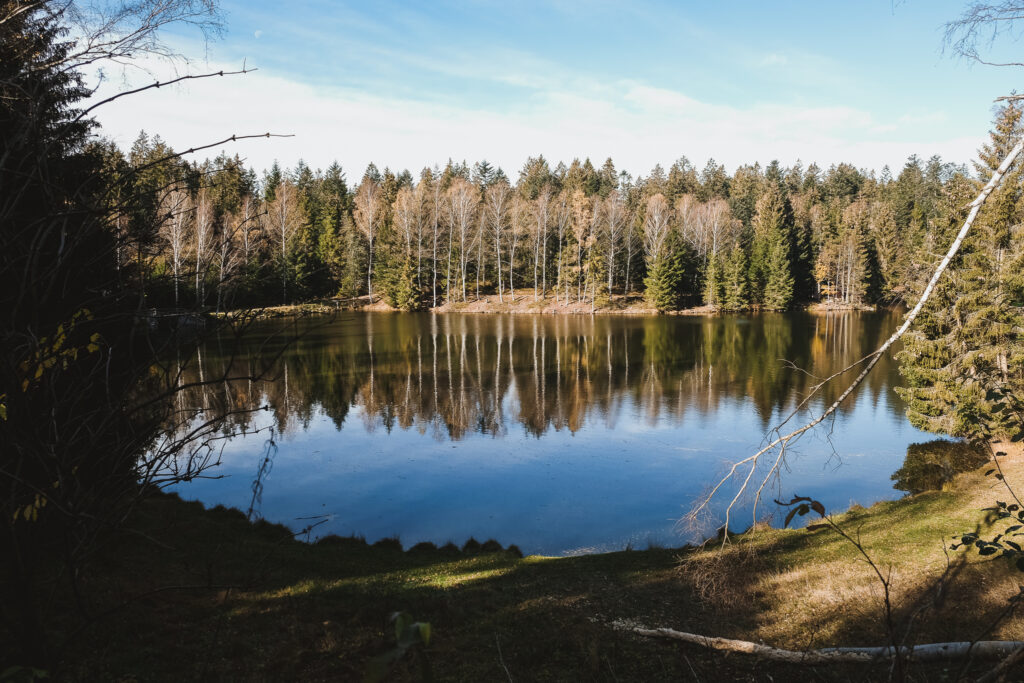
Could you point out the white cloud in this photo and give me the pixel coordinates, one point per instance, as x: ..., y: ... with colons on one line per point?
x: 257, y: 33
x: 634, y: 123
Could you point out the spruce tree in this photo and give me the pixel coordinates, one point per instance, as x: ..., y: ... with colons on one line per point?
x: 399, y: 283
x: 735, y: 290
x: 663, y: 284
x: 770, y: 275
x: 968, y: 351
x: 778, y: 289
x: 714, y: 281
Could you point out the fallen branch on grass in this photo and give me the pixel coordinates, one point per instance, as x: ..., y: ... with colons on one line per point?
x: 921, y: 653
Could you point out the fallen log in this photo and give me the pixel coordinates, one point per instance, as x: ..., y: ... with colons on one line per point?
x: 987, y: 649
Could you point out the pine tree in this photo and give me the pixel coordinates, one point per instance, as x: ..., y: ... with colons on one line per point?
x: 399, y: 283
x: 664, y: 281
x: 330, y: 254
x: 714, y: 182
x: 968, y: 347
x: 607, y: 178
x: 271, y: 179
x: 770, y: 275
x: 735, y: 291
x: 353, y: 257
x: 745, y: 189
x: 714, y: 282
x: 682, y: 179
x: 778, y: 289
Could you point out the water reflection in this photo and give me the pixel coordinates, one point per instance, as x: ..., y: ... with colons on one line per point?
x: 450, y: 375
x: 931, y: 465
x: 558, y: 434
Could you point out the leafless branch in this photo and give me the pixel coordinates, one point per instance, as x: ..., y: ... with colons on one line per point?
x: 160, y: 84
x: 980, y: 25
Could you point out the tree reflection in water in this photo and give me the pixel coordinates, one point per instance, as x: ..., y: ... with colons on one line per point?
x: 454, y: 374
x: 559, y: 434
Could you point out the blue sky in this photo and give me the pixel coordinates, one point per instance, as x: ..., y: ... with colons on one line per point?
x: 411, y: 84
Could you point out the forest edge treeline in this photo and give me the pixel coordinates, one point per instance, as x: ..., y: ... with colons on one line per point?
x: 214, y: 235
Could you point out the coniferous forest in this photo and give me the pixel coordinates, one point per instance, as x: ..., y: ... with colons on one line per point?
x: 219, y: 235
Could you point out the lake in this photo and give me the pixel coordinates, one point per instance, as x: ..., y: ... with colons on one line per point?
x: 560, y: 434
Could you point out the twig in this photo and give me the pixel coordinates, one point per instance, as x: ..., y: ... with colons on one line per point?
x: 1000, y: 669
x: 159, y: 84
x: 501, y: 660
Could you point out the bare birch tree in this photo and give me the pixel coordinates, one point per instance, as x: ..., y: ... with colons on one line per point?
x: 561, y: 213
x: 202, y: 241
x: 541, y: 219
x: 230, y: 255
x: 496, y: 199
x: 657, y: 224
x: 175, y: 211
x: 519, y: 216
x: 462, y: 206
x: 615, y: 221
x: 283, y: 219
x: 406, y: 217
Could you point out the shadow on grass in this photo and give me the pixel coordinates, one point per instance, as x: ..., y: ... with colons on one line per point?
x: 258, y: 605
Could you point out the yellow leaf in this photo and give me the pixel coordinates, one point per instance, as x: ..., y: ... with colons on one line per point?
x: 93, y: 348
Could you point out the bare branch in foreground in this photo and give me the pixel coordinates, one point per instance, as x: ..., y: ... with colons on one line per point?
x: 159, y: 84
x: 783, y: 441
x: 830, y: 655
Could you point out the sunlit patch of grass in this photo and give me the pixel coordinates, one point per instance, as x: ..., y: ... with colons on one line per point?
x: 458, y: 580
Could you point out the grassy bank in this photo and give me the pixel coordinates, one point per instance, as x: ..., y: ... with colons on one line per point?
x: 194, y: 594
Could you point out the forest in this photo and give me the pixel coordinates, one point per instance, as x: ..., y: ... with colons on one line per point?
x: 218, y: 235
x: 102, y: 577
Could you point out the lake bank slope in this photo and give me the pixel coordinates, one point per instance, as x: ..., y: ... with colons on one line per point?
x: 249, y: 602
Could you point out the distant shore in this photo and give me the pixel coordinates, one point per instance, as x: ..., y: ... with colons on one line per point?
x: 525, y: 303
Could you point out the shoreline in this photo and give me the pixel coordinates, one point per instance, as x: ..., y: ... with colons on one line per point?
x: 491, y: 304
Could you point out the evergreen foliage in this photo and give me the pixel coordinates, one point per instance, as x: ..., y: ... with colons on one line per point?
x: 968, y: 350
x: 735, y: 292
x: 663, y: 284
x: 778, y: 289
x: 714, y: 281
x: 771, y: 276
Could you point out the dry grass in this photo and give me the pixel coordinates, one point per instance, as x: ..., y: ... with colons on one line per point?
x: 318, y: 612
x: 812, y: 587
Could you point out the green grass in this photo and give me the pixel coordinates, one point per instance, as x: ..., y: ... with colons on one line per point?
x: 250, y: 603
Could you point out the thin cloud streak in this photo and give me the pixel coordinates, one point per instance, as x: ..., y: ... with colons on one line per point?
x: 636, y: 124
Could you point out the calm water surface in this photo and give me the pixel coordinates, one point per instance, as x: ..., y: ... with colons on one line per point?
x: 562, y: 434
